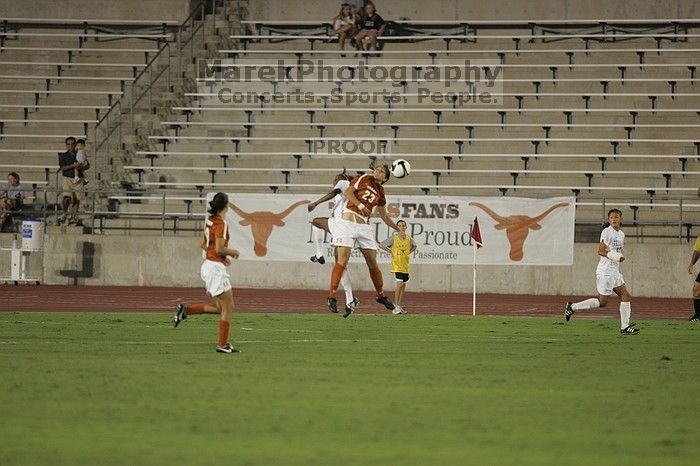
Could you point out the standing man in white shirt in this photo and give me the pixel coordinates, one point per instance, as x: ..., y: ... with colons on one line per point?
x: 608, y: 276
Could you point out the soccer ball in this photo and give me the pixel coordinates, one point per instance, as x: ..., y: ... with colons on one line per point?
x: 400, y: 168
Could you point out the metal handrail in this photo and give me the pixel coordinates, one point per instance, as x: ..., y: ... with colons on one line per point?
x: 686, y: 223
x: 153, y: 77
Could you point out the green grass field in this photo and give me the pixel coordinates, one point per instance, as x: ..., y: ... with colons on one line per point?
x: 100, y: 389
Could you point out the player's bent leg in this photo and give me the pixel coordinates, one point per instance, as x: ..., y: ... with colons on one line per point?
x: 603, y: 300
x: 322, y: 223
x: 183, y: 310
x: 375, y: 274
x: 319, y: 226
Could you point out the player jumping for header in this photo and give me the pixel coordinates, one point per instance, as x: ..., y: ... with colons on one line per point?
x: 353, y: 228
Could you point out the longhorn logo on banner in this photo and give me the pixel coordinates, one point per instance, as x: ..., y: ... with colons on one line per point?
x: 271, y: 227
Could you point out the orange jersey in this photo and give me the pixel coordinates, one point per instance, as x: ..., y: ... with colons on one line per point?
x: 215, y: 227
x: 368, y: 191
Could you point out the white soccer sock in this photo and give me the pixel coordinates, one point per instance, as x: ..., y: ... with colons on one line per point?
x: 347, y: 286
x: 625, y: 311
x: 590, y: 303
x: 317, y: 236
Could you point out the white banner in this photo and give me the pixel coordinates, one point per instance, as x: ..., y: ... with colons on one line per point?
x: 515, y: 231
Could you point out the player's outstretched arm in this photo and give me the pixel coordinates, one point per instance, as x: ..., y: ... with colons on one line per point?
x: 385, y: 216
x: 202, y: 242
x: 312, y: 205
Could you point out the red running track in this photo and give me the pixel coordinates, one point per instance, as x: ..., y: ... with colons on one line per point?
x: 29, y: 298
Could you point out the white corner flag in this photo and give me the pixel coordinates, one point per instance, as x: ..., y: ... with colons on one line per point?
x: 477, y: 242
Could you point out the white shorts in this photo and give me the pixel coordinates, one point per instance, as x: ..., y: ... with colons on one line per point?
x: 332, y: 229
x: 351, y: 234
x: 215, y: 277
x: 606, y: 283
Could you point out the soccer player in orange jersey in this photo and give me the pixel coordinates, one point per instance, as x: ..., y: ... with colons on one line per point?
x: 353, y: 229
x: 214, y: 241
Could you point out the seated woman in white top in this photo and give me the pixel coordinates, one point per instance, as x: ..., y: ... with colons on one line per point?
x: 344, y: 24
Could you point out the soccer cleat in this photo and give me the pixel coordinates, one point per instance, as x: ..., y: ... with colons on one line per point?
x: 350, y: 307
x: 227, y: 348
x: 385, y: 301
x: 321, y: 260
x: 180, y: 314
x: 398, y: 310
x: 568, y: 311
x: 695, y: 318
x: 629, y: 330
x: 333, y: 305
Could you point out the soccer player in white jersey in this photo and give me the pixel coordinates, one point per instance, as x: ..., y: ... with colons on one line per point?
x: 320, y: 225
x: 608, y: 276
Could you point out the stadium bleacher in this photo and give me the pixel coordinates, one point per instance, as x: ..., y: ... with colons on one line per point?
x: 583, y: 102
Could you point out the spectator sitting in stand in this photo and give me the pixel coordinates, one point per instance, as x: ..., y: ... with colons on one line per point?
x: 344, y: 24
x: 371, y: 26
x: 11, y: 199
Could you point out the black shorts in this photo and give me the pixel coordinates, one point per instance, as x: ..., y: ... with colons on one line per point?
x: 400, y: 276
x: 697, y: 279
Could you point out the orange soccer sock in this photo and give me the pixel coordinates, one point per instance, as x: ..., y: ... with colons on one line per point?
x: 195, y: 309
x: 336, y: 275
x: 223, y: 332
x: 376, y: 276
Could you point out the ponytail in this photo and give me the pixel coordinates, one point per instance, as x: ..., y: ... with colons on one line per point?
x: 218, y: 204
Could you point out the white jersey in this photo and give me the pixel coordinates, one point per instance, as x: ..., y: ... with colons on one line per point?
x: 339, y: 200
x: 614, y: 241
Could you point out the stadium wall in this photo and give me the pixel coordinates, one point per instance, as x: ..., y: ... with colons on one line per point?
x: 493, y: 10
x: 654, y: 270
x: 162, y: 10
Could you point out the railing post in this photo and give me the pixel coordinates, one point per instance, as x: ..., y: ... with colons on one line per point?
x: 150, y: 89
x: 92, y: 217
x: 121, y: 141
x: 169, y: 89
x: 162, y: 223
x: 131, y: 108
x: 680, y: 221
x: 179, y: 54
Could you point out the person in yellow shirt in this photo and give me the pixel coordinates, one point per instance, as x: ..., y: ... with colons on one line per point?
x: 400, y: 246
x: 696, y: 286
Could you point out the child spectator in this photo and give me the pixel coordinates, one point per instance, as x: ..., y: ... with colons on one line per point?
x: 344, y: 24
x: 83, y: 164
x: 400, y: 246
x: 11, y: 199
x: 371, y: 26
